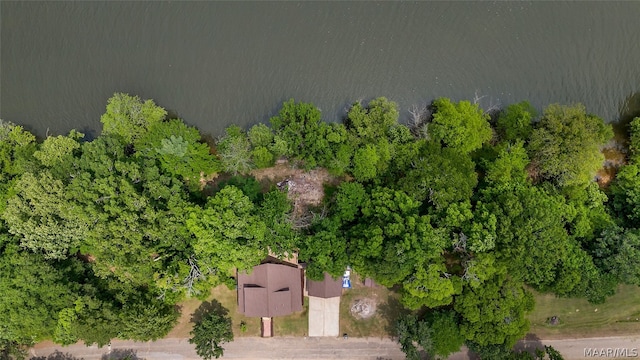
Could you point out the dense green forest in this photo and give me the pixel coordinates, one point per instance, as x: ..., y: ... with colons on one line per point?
x: 460, y: 211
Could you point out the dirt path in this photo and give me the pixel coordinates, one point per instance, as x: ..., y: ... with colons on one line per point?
x: 317, y: 348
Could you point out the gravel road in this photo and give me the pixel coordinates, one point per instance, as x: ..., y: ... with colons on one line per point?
x: 317, y: 348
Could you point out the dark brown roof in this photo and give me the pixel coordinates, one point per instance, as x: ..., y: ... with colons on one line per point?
x: 270, y: 290
x: 326, y: 288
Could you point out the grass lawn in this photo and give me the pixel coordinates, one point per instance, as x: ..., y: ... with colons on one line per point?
x: 292, y: 325
x: 296, y: 324
x: 619, y: 315
x: 381, y: 324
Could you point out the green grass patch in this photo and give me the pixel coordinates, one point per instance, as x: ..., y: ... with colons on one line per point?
x: 296, y: 324
x: 619, y: 315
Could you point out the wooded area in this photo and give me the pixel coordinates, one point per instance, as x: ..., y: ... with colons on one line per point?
x: 100, y: 238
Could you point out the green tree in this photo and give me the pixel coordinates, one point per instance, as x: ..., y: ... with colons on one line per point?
x: 617, y: 251
x: 324, y: 250
x: 147, y: 321
x: 532, y: 237
x: 275, y: 209
x: 228, y: 232
x: 299, y: 126
x: 260, y: 135
x: 234, y: 151
x: 349, y: 198
x: 43, y: 217
x: 16, y: 150
x: 248, y: 184
x: 431, y: 285
x: 462, y: 126
x: 411, y: 332
x: 11, y: 350
x: 16, y: 157
x: 33, y: 292
x: 364, y: 163
x: 210, y: 332
x: 440, y: 177
x: 374, y: 133
x: 634, y: 141
x: 495, y: 313
x: 137, y: 213
x: 179, y: 150
x: 565, y: 145
x: 388, y: 218
x: 446, y: 337
x: 626, y: 194
x: 56, y: 153
x: 129, y: 117
x: 372, y: 124
x: 516, y: 122
x: 90, y: 319
x: 437, y: 334
x: 262, y: 157
x: 509, y: 166
x: 592, y: 215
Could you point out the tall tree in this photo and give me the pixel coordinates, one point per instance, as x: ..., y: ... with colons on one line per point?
x: 299, y: 125
x: 439, y: 177
x: 516, y: 122
x: 617, y: 252
x: 495, y: 313
x: 33, y: 292
x: 179, y: 149
x: 228, y: 232
x: 57, y: 152
x: 565, y: 145
x: 275, y: 211
x: 411, y: 332
x: 509, y: 166
x: 16, y: 149
x: 634, y: 141
x: 234, y: 151
x: 137, y: 212
x: 375, y: 133
x: 129, y: 117
x: 626, y: 194
x: 462, y: 126
x: 43, y: 216
x: 531, y: 234
x: 210, y: 332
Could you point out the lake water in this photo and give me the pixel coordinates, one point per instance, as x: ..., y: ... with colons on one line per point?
x: 218, y: 63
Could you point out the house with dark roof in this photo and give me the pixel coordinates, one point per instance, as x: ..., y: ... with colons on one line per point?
x: 270, y: 290
x: 327, y: 288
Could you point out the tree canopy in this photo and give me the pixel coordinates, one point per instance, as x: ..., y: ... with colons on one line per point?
x: 565, y: 145
x: 101, y: 238
x: 211, y: 331
x: 462, y: 126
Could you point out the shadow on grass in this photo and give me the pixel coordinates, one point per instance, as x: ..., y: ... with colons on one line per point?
x: 391, y: 312
x: 57, y: 355
x: 122, y: 354
x: 207, y: 307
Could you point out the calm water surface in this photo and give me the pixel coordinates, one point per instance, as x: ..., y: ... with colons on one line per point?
x: 217, y: 63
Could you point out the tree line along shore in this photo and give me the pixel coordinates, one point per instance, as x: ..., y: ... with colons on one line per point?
x: 460, y: 211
